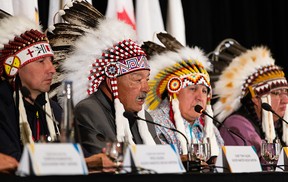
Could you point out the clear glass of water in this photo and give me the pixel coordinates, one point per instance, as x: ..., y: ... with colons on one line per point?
x: 200, y: 152
x: 270, y: 153
x: 115, y: 151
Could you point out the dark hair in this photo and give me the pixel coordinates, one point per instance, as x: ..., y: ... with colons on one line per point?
x: 247, y: 110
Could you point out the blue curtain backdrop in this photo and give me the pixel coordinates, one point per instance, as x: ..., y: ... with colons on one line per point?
x: 208, y: 22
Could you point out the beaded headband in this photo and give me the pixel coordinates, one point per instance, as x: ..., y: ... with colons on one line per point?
x: 21, y: 43
x: 123, y: 58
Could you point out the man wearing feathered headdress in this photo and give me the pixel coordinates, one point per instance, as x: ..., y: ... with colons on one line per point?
x: 25, y: 62
x: 178, y: 82
x: 110, y: 75
x: 250, y: 79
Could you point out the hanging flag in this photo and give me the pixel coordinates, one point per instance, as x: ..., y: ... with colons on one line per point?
x: 27, y: 8
x: 175, y: 20
x: 122, y: 10
x: 148, y: 20
x: 7, y: 6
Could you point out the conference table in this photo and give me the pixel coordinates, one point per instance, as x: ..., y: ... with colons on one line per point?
x: 186, y: 177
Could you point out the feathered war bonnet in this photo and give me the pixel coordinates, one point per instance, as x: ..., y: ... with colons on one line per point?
x: 91, y: 48
x: 247, y: 72
x: 173, y: 68
x: 22, y: 42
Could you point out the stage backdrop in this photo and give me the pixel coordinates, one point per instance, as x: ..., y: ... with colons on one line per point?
x: 208, y: 22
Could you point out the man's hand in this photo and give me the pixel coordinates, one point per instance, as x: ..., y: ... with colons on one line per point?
x: 100, y: 163
x: 8, y: 164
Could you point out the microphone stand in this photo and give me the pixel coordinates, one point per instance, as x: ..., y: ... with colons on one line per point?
x: 228, y: 129
x: 173, y: 129
x: 267, y: 107
x: 199, y: 109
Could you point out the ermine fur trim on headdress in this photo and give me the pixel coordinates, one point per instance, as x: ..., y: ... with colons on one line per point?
x: 285, y: 126
x: 143, y: 127
x: 209, y: 132
x: 179, y: 122
x: 267, y: 121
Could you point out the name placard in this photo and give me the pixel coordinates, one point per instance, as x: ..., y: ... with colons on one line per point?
x: 52, y: 159
x: 237, y: 159
x: 282, y: 163
x: 156, y: 159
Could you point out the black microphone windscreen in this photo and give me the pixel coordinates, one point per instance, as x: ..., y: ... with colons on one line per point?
x: 266, y: 106
x: 129, y: 115
x: 25, y: 92
x: 198, y: 108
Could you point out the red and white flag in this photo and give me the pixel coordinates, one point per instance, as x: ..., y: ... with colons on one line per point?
x: 122, y: 10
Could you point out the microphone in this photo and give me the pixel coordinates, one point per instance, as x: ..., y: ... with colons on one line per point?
x: 27, y: 94
x: 267, y: 107
x: 131, y: 115
x: 200, y: 110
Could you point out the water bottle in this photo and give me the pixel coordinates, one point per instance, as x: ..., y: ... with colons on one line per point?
x: 67, y: 124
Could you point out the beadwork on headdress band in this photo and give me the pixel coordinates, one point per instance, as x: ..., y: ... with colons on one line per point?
x: 22, y: 42
x: 264, y: 80
x: 117, y: 62
x: 26, y: 55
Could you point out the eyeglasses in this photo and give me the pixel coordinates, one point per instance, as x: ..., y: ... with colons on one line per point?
x: 280, y: 92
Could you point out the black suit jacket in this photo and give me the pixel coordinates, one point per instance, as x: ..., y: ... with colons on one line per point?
x: 10, y: 142
x: 95, y: 124
x: 9, y: 126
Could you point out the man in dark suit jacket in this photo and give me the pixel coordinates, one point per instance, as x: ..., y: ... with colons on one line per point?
x: 26, y: 61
